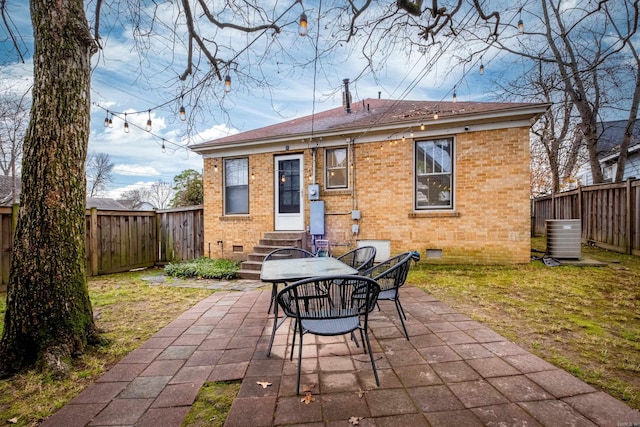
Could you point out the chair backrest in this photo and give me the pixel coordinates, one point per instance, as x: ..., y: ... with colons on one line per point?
x: 391, y: 273
x: 287, y: 253
x: 329, y: 297
x: 359, y: 258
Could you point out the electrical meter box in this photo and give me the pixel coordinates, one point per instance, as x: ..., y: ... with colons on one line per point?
x: 314, y: 191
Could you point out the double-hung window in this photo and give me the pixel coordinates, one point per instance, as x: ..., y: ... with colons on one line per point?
x: 434, y: 174
x: 236, y: 186
x: 337, y: 171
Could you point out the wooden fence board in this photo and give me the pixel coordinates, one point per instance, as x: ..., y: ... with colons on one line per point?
x: 609, y: 214
x: 119, y: 241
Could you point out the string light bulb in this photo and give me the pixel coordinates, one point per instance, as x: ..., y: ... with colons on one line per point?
x: 148, y: 128
x: 183, y: 112
x: 481, y: 67
x: 126, y: 124
x: 253, y: 175
x: 421, y: 126
x: 227, y: 84
x: 215, y: 166
x: 283, y: 179
x: 520, y: 26
x: 435, y: 116
x: 455, y: 95
x: 164, y: 149
x: 106, y: 119
x: 302, y: 29
x: 111, y: 122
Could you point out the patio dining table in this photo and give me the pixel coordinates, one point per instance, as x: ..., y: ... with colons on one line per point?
x: 292, y: 269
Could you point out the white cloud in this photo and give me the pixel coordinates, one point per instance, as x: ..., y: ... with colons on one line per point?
x: 115, y: 193
x: 135, y: 170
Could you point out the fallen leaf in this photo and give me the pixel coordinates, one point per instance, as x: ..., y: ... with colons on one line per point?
x: 308, y: 398
x: 13, y: 420
x: 308, y: 388
x: 264, y: 384
x: 354, y: 420
x: 360, y: 393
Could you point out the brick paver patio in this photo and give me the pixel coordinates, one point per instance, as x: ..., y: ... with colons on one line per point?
x: 452, y: 372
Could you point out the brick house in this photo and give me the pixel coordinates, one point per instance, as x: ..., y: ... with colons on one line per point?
x: 450, y: 179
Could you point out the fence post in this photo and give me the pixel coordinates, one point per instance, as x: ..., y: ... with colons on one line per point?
x: 93, y: 242
x: 160, y: 237
x: 628, y: 218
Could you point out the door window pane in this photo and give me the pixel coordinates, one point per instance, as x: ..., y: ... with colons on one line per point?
x: 289, y: 186
x: 236, y: 182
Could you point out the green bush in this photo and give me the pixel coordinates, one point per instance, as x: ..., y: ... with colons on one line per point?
x: 204, y: 268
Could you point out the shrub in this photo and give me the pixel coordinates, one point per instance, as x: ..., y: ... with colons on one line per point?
x: 204, y: 268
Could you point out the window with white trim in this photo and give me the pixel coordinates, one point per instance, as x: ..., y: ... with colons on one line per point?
x: 236, y: 186
x: 434, y: 174
x: 337, y: 168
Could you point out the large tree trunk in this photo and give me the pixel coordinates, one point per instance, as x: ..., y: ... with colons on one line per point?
x: 49, y: 313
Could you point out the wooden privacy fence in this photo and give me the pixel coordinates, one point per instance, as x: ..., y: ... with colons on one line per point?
x: 609, y: 214
x: 119, y: 241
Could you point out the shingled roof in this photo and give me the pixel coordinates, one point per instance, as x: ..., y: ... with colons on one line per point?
x: 370, y: 114
x: 611, y: 135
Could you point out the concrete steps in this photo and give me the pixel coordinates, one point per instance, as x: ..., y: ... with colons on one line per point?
x: 250, y: 269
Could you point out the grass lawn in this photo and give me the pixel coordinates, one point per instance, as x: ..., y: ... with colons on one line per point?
x: 582, y: 319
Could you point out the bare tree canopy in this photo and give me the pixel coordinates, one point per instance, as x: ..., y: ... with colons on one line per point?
x: 99, y: 173
x: 588, y: 49
x: 159, y: 195
x: 14, y: 116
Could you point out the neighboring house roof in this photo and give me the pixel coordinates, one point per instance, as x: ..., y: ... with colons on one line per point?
x: 105, y: 203
x: 610, y: 136
x: 136, y: 205
x: 378, y: 114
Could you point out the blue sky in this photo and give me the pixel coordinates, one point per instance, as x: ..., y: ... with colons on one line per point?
x: 123, y: 82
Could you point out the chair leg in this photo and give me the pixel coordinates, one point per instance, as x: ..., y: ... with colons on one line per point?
x: 274, y: 293
x: 354, y: 339
x: 401, y: 308
x: 293, y: 340
x: 299, y: 361
x: 275, y: 326
x: 373, y: 363
x: 402, y: 316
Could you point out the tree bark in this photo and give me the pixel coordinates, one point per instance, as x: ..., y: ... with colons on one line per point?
x: 49, y: 315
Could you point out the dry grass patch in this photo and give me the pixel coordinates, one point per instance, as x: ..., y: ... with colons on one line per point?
x: 582, y: 319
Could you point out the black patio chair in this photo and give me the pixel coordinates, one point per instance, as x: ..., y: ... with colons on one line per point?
x: 391, y: 275
x: 330, y: 306
x: 284, y: 253
x: 360, y: 258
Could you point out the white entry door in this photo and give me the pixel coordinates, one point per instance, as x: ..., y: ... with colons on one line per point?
x: 289, y: 195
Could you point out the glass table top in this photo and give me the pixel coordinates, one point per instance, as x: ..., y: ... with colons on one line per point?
x: 287, y: 270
